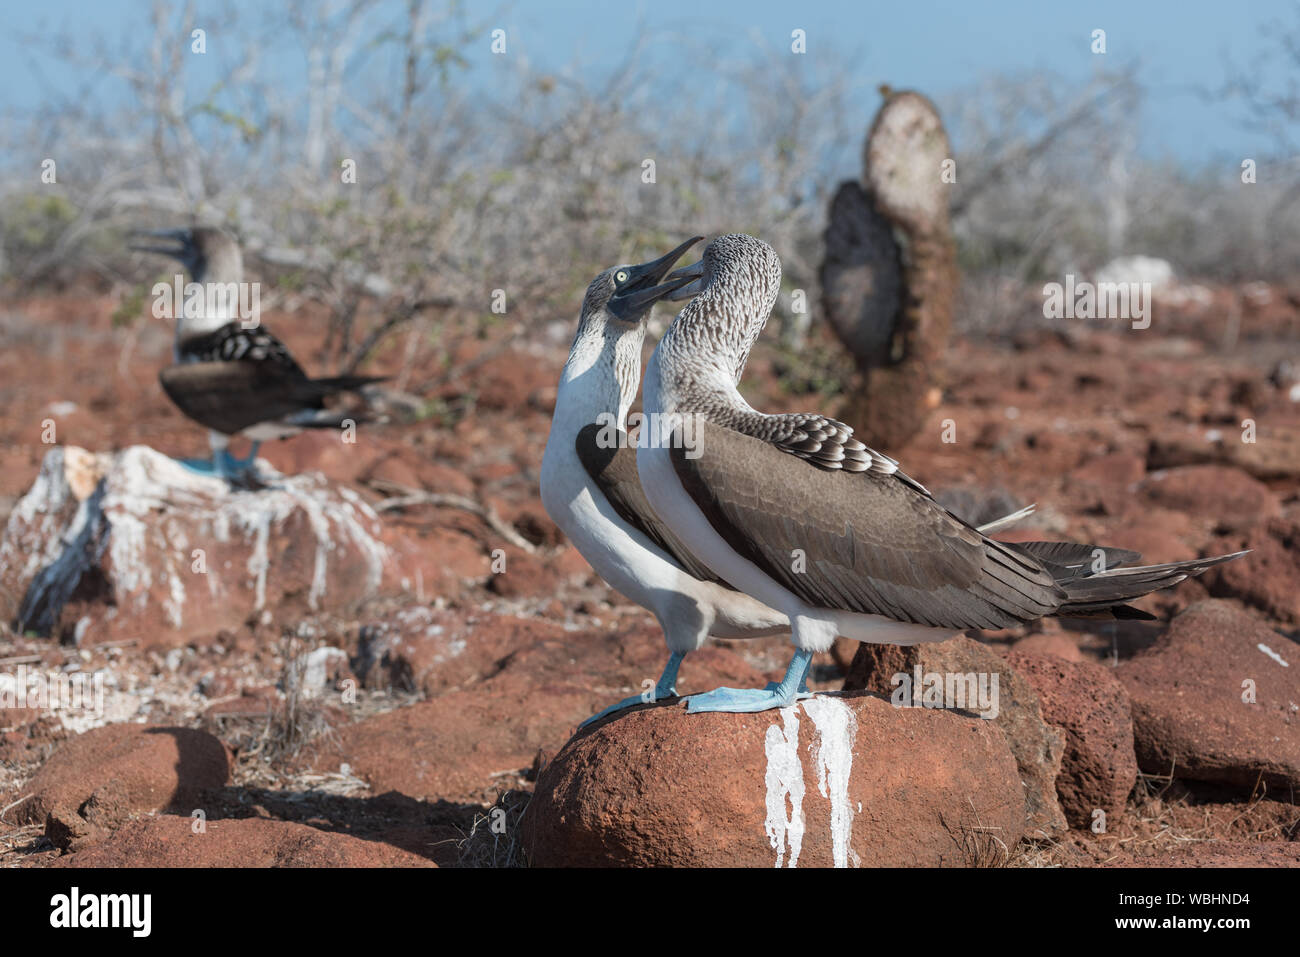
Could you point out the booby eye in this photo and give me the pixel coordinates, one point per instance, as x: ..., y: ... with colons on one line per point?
x: 620, y: 276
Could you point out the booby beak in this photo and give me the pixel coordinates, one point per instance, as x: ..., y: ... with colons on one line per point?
x: 180, y: 242
x: 689, y: 282
x: 644, y: 285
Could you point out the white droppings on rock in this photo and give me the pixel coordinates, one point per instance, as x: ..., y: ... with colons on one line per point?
x: 1273, y: 654
x: 136, y: 514
x: 837, y: 728
x: 784, y: 779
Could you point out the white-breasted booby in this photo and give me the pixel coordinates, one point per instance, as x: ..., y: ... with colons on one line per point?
x: 234, y: 378
x: 800, y: 515
x: 591, y: 490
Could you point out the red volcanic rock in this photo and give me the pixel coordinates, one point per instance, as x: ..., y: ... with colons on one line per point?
x: 404, y: 465
x: 422, y: 649
x: 1274, y: 455
x: 510, y: 381
x: 1035, y: 744
x: 425, y: 562
x: 174, y: 841
x: 1217, y: 854
x: 1123, y: 469
x: 835, y: 780
x: 323, y: 450
x: 101, y: 778
x: 131, y: 544
x: 1105, y: 482
x: 1222, y: 494
x: 1053, y: 643
x: 1193, y: 713
x: 514, y: 702
x: 523, y: 574
x: 1088, y: 703
x: 1269, y: 577
x: 460, y: 746
x: 1160, y: 534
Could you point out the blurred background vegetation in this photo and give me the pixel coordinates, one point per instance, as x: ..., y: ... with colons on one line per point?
x: 535, y: 188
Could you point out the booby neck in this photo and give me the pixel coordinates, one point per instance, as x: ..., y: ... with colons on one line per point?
x: 219, y: 307
x: 698, y: 363
x: 601, y: 375
x: 216, y: 264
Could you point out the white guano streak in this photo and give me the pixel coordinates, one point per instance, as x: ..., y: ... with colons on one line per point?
x: 832, y: 751
x: 784, y: 778
x: 837, y: 727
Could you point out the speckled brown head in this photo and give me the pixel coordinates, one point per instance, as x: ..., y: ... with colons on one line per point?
x: 734, y: 286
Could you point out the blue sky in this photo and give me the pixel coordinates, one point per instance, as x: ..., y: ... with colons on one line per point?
x: 941, y: 48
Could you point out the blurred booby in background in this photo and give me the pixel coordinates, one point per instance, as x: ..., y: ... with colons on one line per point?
x: 230, y: 373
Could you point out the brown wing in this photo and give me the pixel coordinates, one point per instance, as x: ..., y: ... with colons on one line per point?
x: 869, y: 542
x: 614, y: 470
x: 231, y: 396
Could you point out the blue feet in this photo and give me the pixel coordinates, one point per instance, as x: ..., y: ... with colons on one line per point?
x: 793, y: 687
x: 665, y: 687
x: 206, y: 467
x: 223, y: 465
x: 247, y: 462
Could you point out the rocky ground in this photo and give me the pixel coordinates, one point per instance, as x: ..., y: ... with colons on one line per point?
x: 386, y: 665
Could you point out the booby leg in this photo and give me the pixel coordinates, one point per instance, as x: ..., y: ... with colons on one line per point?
x: 222, y: 464
x: 665, y: 687
x: 219, y: 465
x: 247, y: 461
x: 793, y: 687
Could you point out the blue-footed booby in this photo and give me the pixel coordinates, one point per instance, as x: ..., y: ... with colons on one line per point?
x: 230, y: 374
x: 591, y: 490
x: 800, y: 515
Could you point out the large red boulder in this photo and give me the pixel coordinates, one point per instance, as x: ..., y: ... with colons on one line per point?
x: 1088, y: 703
x: 1036, y: 745
x: 102, y: 778
x: 1217, y: 698
x: 133, y: 545
x: 832, y: 781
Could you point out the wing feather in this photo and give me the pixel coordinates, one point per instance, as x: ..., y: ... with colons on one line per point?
x: 613, y: 468
x: 870, y: 541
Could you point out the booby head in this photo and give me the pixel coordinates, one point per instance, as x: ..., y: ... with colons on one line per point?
x: 732, y: 291
x: 207, y: 253
x: 625, y: 294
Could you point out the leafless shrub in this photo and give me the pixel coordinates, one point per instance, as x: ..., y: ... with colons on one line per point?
x: 529, y: 182
x: 493, y: 839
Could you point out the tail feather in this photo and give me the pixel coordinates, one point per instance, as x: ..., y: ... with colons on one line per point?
x: 1105, y: 593
x: 326, y: 418
x: 341, y: 383
x: 998, y: 524
x: 1074, y: 560
x: 332, y: 418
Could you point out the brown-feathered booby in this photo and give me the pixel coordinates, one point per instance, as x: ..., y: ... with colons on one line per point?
x: 591, y: 490
x: 232, y: 375
x: 800, y: 515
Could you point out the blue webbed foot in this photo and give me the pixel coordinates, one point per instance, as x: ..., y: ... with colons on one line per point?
x: 666, y: 687
x: 205, y: 467
x: 223, y: 466
x: 744, y: 700
x: 792, y: 688
x: 245, y: 463
x: 631, y: 702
